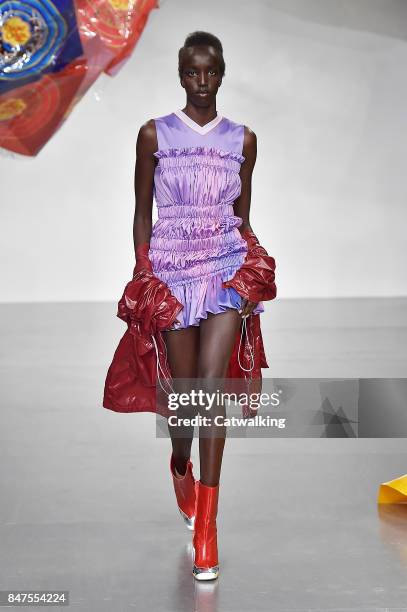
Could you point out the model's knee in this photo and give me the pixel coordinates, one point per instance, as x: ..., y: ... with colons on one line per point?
x: 210, y: 372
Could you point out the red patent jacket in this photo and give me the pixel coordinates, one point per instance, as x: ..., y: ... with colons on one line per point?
x: 148, y: 308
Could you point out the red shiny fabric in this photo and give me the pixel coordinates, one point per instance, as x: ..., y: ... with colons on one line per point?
x: 254, y: 281
x: 142, y: 260
x: 255, y: 278
x: 148, y: 308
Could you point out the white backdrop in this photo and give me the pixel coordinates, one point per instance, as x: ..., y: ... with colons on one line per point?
x: 322, y: 83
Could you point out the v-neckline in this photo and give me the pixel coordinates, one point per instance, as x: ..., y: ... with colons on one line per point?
x: 201, y: 129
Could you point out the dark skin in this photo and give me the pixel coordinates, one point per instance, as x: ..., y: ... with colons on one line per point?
x: 199, y: 352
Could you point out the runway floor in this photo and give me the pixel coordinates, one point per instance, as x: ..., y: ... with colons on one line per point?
x: 86, y: 498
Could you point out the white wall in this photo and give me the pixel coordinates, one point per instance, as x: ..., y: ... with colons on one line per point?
x: 323, y: 86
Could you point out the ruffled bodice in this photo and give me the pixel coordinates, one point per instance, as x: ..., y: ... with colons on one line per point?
x: 195, y: 189
x: 199, y: 178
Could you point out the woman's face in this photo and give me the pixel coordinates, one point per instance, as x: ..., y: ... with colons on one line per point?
x: 201, y: 76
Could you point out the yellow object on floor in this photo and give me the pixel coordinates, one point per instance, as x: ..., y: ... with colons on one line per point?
x: 393, y: 491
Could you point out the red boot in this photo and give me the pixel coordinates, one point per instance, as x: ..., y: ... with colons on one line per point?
x: 184, y: 487
x: 206, y: 565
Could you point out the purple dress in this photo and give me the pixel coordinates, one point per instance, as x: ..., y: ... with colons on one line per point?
x: 195, y: 244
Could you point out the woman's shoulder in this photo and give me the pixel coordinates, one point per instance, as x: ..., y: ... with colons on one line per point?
x: 238, y: 127
x: 153, y: 121
x: 164, y: 118
x: 243, y: 127
x: 152, y: 126
x: 239, y: 136
x: 231, y: 122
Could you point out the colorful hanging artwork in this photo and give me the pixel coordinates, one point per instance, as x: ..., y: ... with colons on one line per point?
x: 51, y: 53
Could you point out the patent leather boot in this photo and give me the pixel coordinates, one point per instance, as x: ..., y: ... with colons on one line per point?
x: 206, y: 565
x: 184, y: 487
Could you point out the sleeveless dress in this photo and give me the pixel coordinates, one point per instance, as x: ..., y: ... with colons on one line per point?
x: 195, y: 244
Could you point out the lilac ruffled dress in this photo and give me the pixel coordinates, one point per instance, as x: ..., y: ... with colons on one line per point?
x: 195, y: 244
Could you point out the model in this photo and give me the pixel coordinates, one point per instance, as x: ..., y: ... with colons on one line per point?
x: 198, y: 165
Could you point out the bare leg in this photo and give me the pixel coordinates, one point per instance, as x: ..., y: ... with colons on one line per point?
x: 182, y: 349
x: 218, y: 334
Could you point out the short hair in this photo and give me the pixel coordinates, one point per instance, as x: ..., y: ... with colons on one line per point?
x: 199, y: 38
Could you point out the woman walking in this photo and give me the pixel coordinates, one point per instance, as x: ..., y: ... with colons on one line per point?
x: 198, y: 165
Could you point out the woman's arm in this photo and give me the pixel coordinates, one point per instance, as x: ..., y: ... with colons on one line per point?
x: 143, y: 183
x: 242, y: 203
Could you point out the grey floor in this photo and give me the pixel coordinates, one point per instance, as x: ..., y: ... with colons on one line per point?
x: 86, y: 498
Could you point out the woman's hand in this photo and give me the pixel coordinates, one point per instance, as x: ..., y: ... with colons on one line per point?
x: 247, y: 307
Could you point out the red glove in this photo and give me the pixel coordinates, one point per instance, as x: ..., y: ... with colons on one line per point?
x: 254, y: 280
x: 147, y: 304
x: 142, y: 260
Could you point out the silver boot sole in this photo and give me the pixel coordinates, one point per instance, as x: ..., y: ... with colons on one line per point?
x: 204, y: 573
